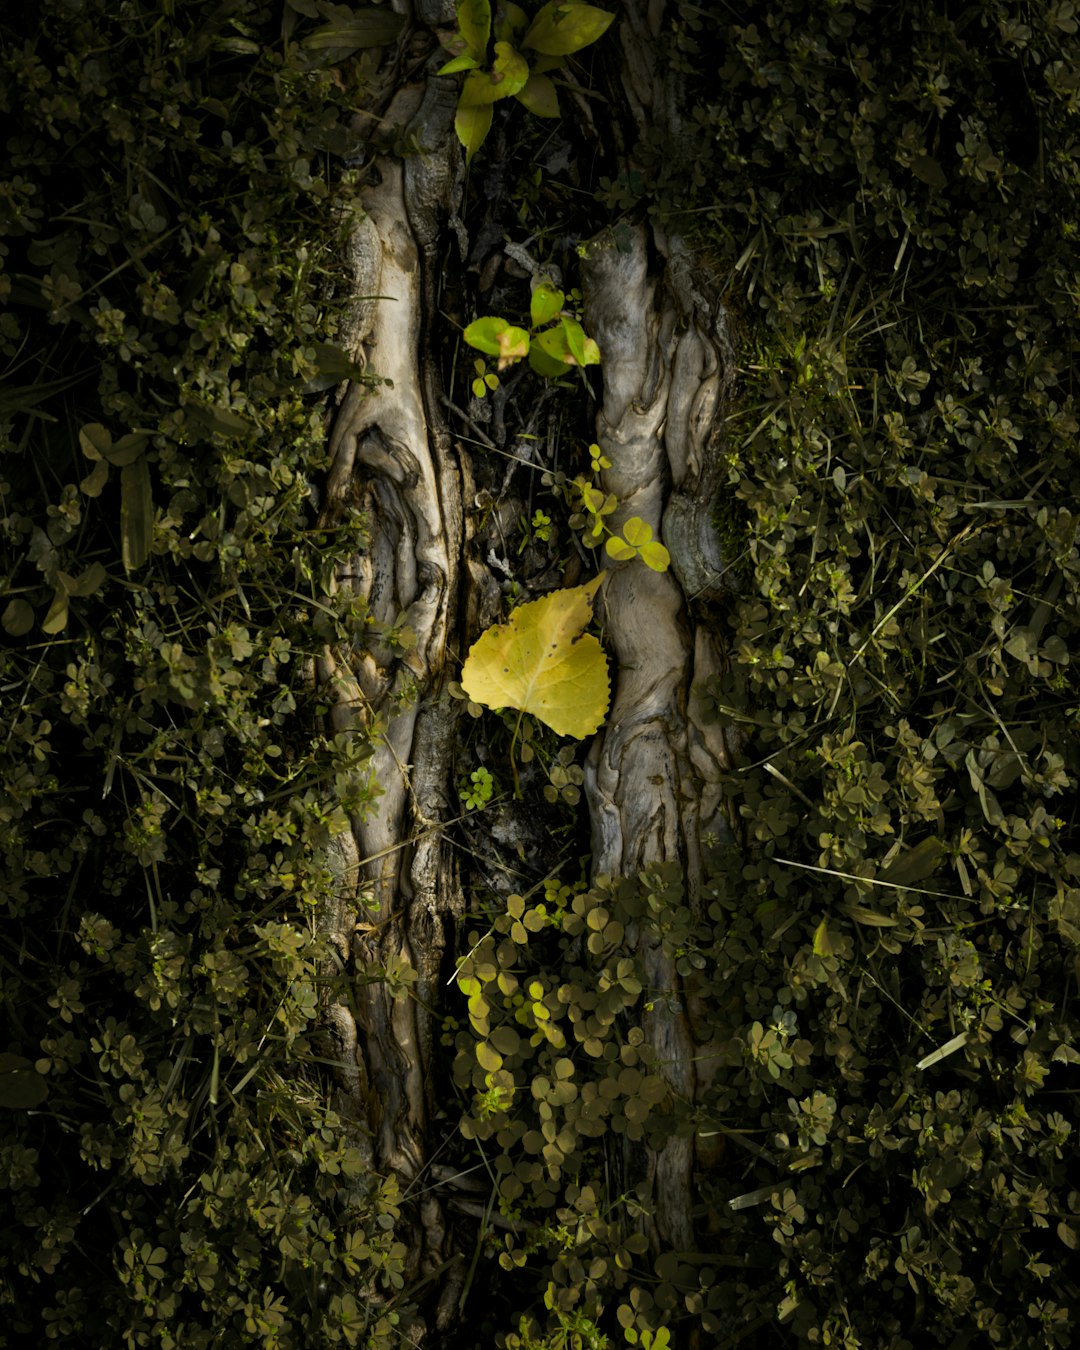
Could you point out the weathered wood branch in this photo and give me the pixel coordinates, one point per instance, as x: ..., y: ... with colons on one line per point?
x: 654, y: 777
x: 392, y: 460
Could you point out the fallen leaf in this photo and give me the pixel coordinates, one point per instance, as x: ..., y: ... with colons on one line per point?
x: 543, y: 662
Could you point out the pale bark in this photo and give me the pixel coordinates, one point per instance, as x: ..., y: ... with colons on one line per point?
x: 653, y: 777
x: 393, y: 462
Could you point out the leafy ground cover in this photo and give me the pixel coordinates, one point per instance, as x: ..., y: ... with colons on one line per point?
x: 884, y: 955
x: 896, y: 231
x: 172, y: 201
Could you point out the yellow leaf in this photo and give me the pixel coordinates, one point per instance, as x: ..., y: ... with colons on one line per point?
x: 542, y: 662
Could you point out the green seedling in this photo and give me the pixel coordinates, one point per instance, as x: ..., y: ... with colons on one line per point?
x: 478, y: 791
x: 636, y: 539
x: 519, y: 62
x: 554, y: 342
x: 485, y: 379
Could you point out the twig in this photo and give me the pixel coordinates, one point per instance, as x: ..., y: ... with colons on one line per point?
x: 480, y: 435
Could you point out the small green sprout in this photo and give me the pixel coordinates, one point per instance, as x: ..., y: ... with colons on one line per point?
x: 484, y: 380
x: 598, y: 459
x: 554, y: 342
x: 636, y: 541
x: 519, y: 62
x: 480, y: 793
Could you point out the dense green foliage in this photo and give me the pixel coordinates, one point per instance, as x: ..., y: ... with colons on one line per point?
x: 882, y: 959
x: 168, y: 239
x: 892, y: 195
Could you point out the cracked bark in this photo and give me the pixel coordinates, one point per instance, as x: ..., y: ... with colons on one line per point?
x: 653, y: 782
x: 392, y: 460
x: 653, y: 776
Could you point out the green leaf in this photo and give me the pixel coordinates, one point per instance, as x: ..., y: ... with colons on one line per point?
x: 21, y: 398
x: 126, y: 450
x: 88, y: 581
x: 823, y: 944
x: 94, y: 482
x: 483, y: 334
x: 472, y: 125
x: 637, y: 531
x: 926, y: 168
x: 21, y: 1086
x: 510, y: 71
x: 366, y: 28
x: 458, y: 63
x: 136, y: 514
x: 215, y: 421
x: 513, y: 346
x: 237, y: 45
x: 488, y: 1057
x: 596, y: 501
x: 619, y: 549
x: 575, y: 339
x: 553, y: 342
x: 560, y: 29
x: 550, y: 367
x: 639, y: 535
x: 333, y: 365
x: 545, y: 304
x: 1054, y: 649
x: 474, y: 26
x: 543, y: 64
x: 510, y: 21
x: 539, y: 96
x: 55, y: 621
x: 568, y: 343
x: 943, y: 1051
x: 655, y: 556
x: 18, y: 617
x: 94, y: 440
x: 915, y: 864
x: 508, y: 74
x: 870, y: 917
x: 495, y: 337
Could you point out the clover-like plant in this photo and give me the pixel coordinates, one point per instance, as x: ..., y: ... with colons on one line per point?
x: 518, y: 63
x: 128, y: 454
x: 554, y: 342
x: 478, y: 790
x: 636, y: 539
